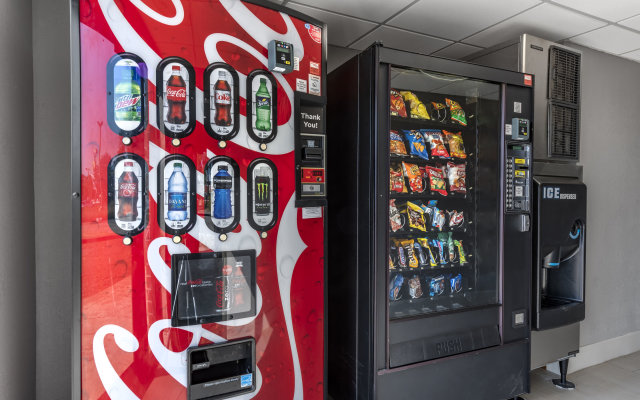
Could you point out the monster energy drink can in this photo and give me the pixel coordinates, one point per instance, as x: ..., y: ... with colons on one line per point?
x: 262, y: 201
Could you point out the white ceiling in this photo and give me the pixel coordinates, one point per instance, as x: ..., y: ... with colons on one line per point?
x: 458, y: 28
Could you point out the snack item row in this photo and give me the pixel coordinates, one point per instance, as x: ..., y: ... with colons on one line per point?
x: 429, y: 286
x: 426, y: 143
x: 448, y: 112
x: 431, y: 178
x: 415, y: 216
x: 427, y: 252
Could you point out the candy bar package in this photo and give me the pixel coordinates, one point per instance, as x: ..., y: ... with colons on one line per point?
x: 415, y: 215
x: 457, y: 175
x: 440, y: 246
x: 456, y: 219
x: 417, y: 145
x: 423, y: 260
x: 412, y: 259
x: 415, y: 288
x: 443, y: 237
x: 455, y: 283
x: 456, y: 145
x: 401, y: 257
x: 397, y: 104
x: 395, y: 219
x: 396, y: 145
x: 424, y: 242
x: 436, y: 142
x: 412, y: 172
x: 438, y: 112
x: 396, y: 179
x: 456, y: 112
x: 463, y: 257
x: 435, y: 248
x: 451, y: 248
x: 392, y: 250
x: 436, y: 180
x: 395, y: 286
x: 436, y: 285
x: 416, y: 107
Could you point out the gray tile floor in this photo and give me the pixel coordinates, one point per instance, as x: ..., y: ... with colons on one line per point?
x: 614, y: 380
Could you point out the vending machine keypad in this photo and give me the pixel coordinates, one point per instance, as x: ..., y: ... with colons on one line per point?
x: 518, y: 177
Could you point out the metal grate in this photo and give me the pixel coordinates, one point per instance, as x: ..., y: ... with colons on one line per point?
x: 563, y: 132
x: 564, y: 75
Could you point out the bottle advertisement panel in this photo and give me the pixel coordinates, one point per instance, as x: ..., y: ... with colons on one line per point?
x: 131, y: 345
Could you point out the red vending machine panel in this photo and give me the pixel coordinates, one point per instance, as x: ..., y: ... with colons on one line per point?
x: 202, y: 271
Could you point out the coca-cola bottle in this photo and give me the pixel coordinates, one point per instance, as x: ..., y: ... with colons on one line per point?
x: 176, y: 97
x: 223, y: 289
x: 128, y: 194
x: 222, y: 94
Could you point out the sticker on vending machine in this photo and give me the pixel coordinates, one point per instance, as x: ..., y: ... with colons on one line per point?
x: 314, y: 84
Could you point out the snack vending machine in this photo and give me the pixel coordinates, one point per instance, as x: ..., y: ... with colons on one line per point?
x: 429, y: 269
x: 202, y: 173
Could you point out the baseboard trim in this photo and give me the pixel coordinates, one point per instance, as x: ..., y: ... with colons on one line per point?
x: 597, y: 353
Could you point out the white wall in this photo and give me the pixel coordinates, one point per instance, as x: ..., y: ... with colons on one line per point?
x: 17, y: 294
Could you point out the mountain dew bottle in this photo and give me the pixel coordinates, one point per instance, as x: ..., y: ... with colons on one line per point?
x: 263, y: 107
x: 126, y: 92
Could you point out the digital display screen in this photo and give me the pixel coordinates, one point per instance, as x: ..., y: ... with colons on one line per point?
x: 211, y: 287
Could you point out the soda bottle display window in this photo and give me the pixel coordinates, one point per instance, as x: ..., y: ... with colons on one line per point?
x: 221, y: 101
x: 126, y: 94
x: 175, y: 101
x: 262, y: 205
x: 262, y: 109
x: 222, y: 194
x: 128, y: 199
x: 434, y: 261
x: 176, y: 184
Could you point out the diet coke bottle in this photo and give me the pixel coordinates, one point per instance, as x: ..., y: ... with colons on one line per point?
x: 176, y: 97
x: 128, y: 194
x: 222, y: 93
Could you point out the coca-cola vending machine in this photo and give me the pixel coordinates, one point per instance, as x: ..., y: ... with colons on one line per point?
x: 201, y: 202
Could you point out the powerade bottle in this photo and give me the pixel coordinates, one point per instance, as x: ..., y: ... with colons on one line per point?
x: 263, y: 107
x: 178, y: 188
x: 222, y: 193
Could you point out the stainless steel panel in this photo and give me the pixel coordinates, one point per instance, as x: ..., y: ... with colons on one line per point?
x: 553, y: 344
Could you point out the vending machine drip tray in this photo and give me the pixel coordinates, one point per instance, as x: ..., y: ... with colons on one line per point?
x: 222, y: 370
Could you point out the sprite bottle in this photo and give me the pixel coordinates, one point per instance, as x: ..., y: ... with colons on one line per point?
x: 263, y: 107
x: 127, y: 95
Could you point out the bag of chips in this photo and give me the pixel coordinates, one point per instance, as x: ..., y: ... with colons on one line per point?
x: 456, y: 219
x: 395, y: 219
x: 392, y: 250
x: 456, y: 283
x: 436, y: 286
x: 396, y: 179
x: 443, y: 237
x: 397, y: 104
x: 412, y: 259
x: 401, y: 257
x: 457, y: 113
x: 457, y: 176
x: 396, y: 144
x: 416, y: 107
x: 423, y: 260
x: 436, y: 180
x: 433, y: 244
x: 395, y: 285
x: 436, y: 142
x: 456, y: 145
x: 417, y: 144
x: 438, y: 112
x: 412, y: 172
x: 415, y: 289
x: 415, y: 214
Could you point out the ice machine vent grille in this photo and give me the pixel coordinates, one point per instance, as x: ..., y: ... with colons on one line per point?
x: 564, y: 76
x: 563, y: 135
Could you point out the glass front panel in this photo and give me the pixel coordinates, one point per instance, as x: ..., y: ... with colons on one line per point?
x: 443, y: 174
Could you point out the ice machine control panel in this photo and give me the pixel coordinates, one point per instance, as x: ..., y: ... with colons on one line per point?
x: 517, y: 175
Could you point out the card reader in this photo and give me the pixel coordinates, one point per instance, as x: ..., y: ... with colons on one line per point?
x: 280, y: 56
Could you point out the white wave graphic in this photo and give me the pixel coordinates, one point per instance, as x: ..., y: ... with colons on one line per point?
x: 175, y: 20
x: 111, y: 381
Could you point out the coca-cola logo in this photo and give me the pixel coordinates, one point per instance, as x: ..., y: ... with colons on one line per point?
x: 223, y: 97
x: 194, y: 282
x: 176, y: 93
x: 126, y: 101
x: 128, y: 189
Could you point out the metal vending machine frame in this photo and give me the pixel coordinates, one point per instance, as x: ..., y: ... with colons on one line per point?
x: 133, y: 334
